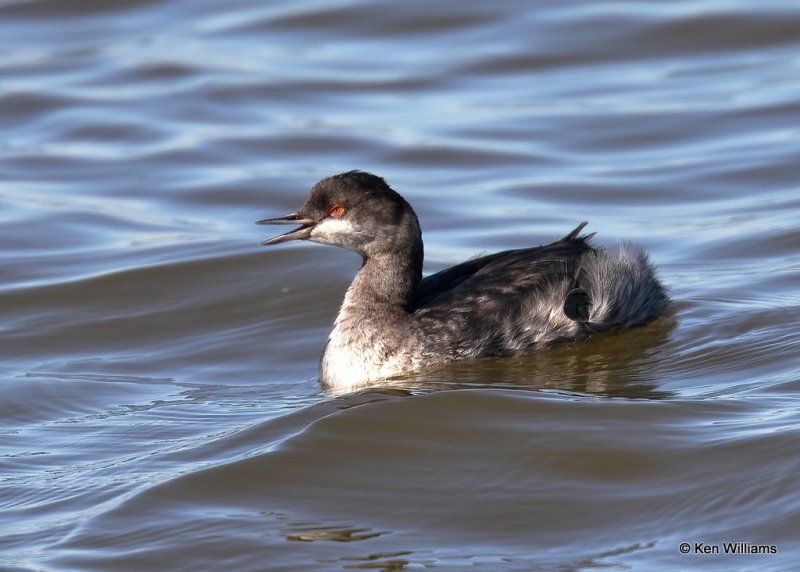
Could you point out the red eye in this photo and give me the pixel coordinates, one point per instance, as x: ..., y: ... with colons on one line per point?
x: 337, y: 211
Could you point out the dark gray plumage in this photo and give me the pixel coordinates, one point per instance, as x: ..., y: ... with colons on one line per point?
x: 392, y: 320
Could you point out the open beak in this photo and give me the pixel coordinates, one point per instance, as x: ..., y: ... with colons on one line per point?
x: 300, y: 233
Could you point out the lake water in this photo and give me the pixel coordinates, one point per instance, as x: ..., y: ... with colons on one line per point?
x: 161, y: 407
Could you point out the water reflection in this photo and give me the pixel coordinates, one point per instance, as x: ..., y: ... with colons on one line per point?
x: 384, y: 561
x: 308, y: 533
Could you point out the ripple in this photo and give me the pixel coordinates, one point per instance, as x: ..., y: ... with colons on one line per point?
x: 160, y: 371
x: 371, y: 454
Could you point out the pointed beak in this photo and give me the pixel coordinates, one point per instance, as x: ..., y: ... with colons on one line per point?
x: 300, y: 233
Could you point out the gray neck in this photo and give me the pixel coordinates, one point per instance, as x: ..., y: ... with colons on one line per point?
x: 386, y: 283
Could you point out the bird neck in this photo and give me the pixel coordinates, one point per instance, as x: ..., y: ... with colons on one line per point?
x: 387, y: 281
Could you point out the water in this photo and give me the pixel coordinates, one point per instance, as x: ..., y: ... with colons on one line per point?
x: 161, y: 407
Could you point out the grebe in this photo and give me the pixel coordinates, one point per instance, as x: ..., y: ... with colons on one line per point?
x: 394, y: 321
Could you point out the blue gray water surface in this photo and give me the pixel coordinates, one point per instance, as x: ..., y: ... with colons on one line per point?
x: 161, y: 407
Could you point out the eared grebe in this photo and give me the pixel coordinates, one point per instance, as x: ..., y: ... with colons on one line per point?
x: 393, y: 321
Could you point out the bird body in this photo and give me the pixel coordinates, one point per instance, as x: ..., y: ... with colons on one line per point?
x: 393, y: 321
